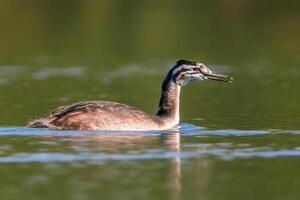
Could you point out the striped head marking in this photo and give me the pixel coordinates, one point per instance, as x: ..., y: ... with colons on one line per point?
x: 185, y: 71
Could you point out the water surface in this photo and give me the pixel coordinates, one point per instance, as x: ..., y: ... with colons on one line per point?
x: 237, y: 141
x: 171, y: 164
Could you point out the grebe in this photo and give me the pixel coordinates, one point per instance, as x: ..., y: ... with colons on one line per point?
x: 107, y: 115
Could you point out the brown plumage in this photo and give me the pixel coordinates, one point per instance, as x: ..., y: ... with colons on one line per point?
x: 89, y: 115
x: 106, y: 115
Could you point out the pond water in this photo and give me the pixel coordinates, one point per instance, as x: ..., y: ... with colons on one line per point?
x: 236, y: 141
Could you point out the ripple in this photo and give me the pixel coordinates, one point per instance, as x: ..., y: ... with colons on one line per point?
x: 129, y: 70
x: 185, y: 129
x: 94, y: 157
x: 249, y: 153
x: 224, y: 154
x: 56, y: 71
x: 21, y: 131
x: 100, y: 146
x: 7, y: 72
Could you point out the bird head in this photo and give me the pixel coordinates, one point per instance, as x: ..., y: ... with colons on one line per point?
x: 185, y: 71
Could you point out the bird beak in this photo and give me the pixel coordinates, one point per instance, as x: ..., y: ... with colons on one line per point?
x: 217, y: 77
x: 208, y: 74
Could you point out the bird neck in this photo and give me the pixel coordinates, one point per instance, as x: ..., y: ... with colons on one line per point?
x: 169, y: 101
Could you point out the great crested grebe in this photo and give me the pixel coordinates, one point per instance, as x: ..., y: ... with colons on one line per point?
x: 106, y: 115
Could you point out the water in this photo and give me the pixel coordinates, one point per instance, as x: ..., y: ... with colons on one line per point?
x: 115, y: 165
x: 236, y: 141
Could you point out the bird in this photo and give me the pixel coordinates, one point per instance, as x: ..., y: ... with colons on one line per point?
x: 110, y: 116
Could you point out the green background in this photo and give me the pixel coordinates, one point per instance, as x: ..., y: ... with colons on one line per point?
x: 57, y: 52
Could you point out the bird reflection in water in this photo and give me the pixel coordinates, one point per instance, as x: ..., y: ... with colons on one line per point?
x: 168, y: 143
x: 172, y: 143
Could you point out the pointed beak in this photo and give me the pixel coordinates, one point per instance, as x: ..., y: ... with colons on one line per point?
x: 208, y: 74
x: 217, y: 77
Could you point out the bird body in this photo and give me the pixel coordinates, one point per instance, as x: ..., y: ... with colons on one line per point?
x: 107, y: 115
x: 90, y: 115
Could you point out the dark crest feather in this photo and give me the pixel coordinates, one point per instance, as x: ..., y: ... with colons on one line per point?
x: 185, y: 62
x: 169, y: 75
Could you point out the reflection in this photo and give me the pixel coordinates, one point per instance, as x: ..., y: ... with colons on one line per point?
x: 172, y: 143
x: 167, y: 144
